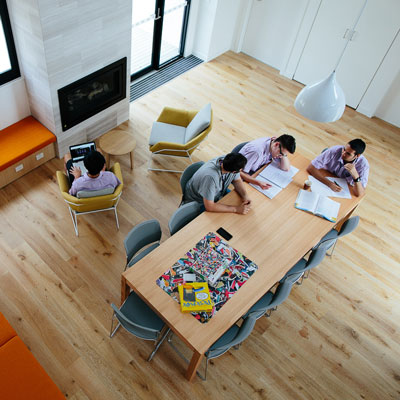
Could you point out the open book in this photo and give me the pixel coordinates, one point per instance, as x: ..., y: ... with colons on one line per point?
x: 316, y: 204
x: 276, y: 177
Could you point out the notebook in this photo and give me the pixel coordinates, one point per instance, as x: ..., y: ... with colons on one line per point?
x: 78, y: 152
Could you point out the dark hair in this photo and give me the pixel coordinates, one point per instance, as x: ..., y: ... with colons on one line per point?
x: 234, y: 162
x: 288, y: 142
x: 357, y: 145
x: 94, y: 162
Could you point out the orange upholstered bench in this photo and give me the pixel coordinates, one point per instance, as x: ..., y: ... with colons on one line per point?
x: 21, y: 376
x: 23, y: 147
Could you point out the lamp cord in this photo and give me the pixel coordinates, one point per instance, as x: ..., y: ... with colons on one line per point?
x: 350, y: 35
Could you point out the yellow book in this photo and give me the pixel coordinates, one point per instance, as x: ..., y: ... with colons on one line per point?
x: 195, y: 297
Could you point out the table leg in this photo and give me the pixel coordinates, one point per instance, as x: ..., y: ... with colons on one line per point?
x: 194, y: 364
x: 131, y: 157
x: 125, y: 289
x: 107, y: 157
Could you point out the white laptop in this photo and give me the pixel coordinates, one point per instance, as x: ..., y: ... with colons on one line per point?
x: 78, y: 152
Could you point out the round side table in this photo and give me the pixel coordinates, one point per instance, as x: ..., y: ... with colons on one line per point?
x: 117, y: 142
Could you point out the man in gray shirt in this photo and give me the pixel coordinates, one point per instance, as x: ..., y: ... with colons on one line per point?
x: 211, y: 181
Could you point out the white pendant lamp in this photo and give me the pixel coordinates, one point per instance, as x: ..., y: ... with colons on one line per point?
x: 324, y: 101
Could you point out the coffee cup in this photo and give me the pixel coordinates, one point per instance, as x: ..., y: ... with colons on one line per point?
x: 307, y: 184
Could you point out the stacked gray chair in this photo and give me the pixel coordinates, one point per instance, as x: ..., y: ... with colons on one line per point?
x: 233, y: 337
x: 270, y: 301
x: 304, y: 266
x: 140, y: 320
x: 144, y: 234
x: 183, y: 215
x: 346, y: 228
x: 187, y: 174
x: 237, y: 148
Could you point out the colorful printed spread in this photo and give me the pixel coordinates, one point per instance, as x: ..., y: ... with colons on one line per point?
x: 212, y: 260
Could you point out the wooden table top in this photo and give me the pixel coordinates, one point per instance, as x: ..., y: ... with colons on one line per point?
x: 274, y: 234
x: 118, y: 141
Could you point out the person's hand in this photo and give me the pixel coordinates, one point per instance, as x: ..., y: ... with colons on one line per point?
x: 352, y: 169
x: 333, y: 186
x: 263, y: 185
x: 246, y: 200
x: 76, y: 172
x: 244, y: 208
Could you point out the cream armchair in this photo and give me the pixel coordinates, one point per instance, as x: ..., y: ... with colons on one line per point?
x: 98, y: 202
x: 178, y: 133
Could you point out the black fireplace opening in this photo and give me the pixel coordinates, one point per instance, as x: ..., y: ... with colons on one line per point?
x: 93, y: 93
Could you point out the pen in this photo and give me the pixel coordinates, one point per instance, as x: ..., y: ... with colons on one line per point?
x: 336, y: 183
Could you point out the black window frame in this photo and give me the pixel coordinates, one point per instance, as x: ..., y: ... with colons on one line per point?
x: 14, y: 72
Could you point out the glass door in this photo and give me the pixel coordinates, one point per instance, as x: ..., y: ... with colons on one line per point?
x: 158, y: 33
x: 173, y: 24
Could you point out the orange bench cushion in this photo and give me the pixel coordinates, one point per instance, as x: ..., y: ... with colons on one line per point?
x: 22, y: 377
x: 21, y: 140
x: 6, y: 330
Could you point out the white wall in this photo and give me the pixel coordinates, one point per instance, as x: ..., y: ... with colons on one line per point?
x: 276, y: 34
x: 271, y: 29
x: 14, y: 104
x: 213, y: 27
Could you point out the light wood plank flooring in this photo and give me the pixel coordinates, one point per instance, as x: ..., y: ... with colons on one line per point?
x: 336, y: 337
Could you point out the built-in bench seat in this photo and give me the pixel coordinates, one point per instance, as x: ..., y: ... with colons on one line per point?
x: 24, y: 146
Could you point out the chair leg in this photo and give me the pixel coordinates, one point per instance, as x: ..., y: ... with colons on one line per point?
x: 159, y: 343
x: 116, y: 217
x: 74, y: 220
x: 112, y: 332
x: 333, y: 249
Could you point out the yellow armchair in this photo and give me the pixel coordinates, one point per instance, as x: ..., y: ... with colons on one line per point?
x: 179, y: 132
x: 78, y: 206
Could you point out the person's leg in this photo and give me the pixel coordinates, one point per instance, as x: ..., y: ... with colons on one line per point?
x: 67, y: 166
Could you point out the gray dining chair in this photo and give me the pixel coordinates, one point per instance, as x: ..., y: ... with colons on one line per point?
x: 348, y: 226
x: 187, y: 174
x: 183, y: 215
x: 140, y: 320
x: 271, y: 300
x: 233, y: 337
x: 303, y: 266
x: 147, y: 233
x: 237, y: 148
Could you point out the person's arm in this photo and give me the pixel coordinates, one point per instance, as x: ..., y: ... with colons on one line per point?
x: 241, y: 190
x: 285, y: 163
x: 316, y: 173
x: 358, y: 187
x: 248, y: 178
x: 218, y: 207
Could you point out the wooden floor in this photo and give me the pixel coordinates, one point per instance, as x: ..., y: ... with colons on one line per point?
x: 336, y: 337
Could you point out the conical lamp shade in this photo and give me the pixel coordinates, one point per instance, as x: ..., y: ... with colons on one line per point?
x: 323, y: 101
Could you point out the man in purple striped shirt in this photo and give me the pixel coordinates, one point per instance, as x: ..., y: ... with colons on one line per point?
x: 96, y: 177
x: 345, y: 162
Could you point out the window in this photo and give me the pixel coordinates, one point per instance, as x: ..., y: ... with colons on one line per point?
x: 9, y: 68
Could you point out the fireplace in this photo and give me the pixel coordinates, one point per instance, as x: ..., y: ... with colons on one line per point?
x: 93, y: 93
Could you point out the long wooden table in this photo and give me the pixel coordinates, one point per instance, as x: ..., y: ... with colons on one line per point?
x: 274, y: 234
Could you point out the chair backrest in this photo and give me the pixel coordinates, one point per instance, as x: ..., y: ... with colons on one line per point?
x: 242, y: 334
x: 141, y: 235
x: 349, y: 226
x: 138, y: 330
x: 318, y: 254
x: 283, y: 290
x: 237, y: 148
x: 183, y: 215
x: 188, y: 173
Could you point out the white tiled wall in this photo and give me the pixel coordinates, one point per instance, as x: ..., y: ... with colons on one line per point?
x: 59, y: 42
